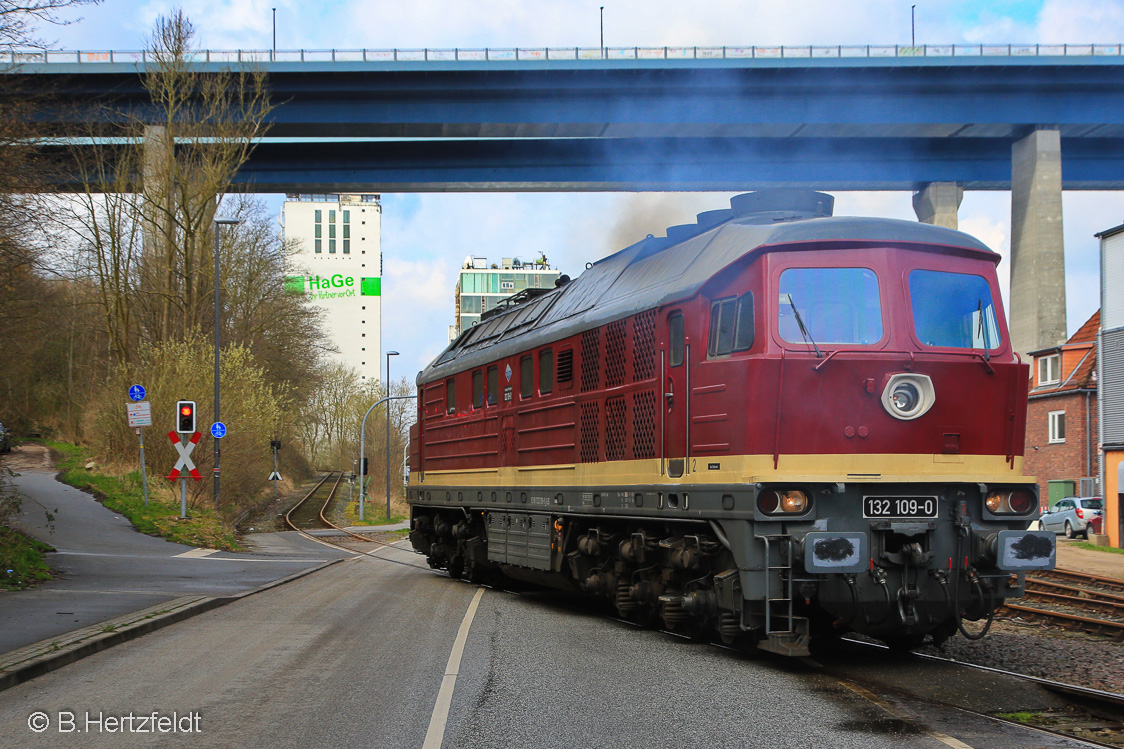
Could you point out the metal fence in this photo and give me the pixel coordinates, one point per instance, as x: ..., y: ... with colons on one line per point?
x: 578, y: 53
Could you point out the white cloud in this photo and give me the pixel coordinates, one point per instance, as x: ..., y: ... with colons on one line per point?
x: 1093, y: 21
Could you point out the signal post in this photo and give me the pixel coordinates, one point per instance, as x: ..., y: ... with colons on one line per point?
x: 184, y: 444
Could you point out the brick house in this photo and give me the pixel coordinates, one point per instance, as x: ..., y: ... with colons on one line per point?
x: 1061, y: 419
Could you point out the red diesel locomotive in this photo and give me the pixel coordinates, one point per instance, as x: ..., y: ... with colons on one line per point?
x: 765, y: 426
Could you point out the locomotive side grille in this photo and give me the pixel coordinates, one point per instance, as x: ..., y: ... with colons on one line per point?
x: 614, y: 354
x: 644, y: 424
x: 615, y: 412
x: 590, y: 432
x: 643, y: 346
x: 591, y: 359
x: 566, y: 365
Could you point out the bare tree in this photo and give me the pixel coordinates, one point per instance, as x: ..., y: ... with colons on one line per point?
x: 20, y: 20
x: 207, y: 125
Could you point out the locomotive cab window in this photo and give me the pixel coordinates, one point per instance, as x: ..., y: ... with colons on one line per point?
x: 450, y: 396
x: 953, y: 310
x: 546, y: 371
x: 478, y: 389
x: 676, y: 338
x: 818, y: 306
x: 526, y: 377
x: 731, y: 325
x: 493, y: 385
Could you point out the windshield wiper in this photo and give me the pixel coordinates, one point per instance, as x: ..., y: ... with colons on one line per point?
x: 804, y: 331
x: 983, y: 332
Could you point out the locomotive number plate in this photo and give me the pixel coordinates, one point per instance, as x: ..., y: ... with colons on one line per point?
x: 899, y: 507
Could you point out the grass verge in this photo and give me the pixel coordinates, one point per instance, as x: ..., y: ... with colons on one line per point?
x: 22, y: 563
x: 124, y: 494
x: 373, y: 514
x: 1094, y: 547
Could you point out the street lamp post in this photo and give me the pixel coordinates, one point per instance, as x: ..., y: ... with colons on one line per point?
x: 602, y: 32
x: 363, y: 443
x: 218, y: 223
x: 388, y: 355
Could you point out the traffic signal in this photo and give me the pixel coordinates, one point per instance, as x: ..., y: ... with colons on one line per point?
x: 185, y: 417
x: 364, y: 466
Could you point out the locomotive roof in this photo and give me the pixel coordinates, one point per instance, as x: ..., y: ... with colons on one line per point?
x: 661, y: 270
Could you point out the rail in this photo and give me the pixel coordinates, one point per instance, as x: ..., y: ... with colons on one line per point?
x: 540, y: 54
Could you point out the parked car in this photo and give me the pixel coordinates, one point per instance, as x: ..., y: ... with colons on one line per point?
x: 1074, y: 516
x: 5, y: 439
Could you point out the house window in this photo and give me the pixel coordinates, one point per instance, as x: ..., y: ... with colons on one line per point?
x: 1049, y: 369
x: 1057, y: 426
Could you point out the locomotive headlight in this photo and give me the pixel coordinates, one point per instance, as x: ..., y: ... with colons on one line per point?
x: 1010, y: 503
x: 782, y: 501
x: 905, y: 397
x: 908, y: 396
x: 794, y: 501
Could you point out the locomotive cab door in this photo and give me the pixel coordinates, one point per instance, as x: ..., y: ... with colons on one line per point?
x: 676, y: 382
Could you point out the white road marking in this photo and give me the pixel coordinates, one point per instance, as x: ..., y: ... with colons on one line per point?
x: 437, y: 721
x: 185, y: 555
x: 197, y: 553
x: 870, y: 697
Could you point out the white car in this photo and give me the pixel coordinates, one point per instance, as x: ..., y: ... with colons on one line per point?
x: 1074, y: 516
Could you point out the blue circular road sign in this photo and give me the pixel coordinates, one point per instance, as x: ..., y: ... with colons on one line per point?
x: 136, y: 392
x: 218, y: 430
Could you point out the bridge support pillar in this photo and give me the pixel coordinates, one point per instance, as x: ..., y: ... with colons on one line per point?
x: 937, y: 204
x: 155, y: 173
x: 1037, y: 304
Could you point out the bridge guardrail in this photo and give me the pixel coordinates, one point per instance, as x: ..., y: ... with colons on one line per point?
x: 510, y: 54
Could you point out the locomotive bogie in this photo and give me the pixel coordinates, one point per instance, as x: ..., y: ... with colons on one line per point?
x: 710, y: 567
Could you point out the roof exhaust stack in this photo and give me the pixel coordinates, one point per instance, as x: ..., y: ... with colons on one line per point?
x: 781, y: 204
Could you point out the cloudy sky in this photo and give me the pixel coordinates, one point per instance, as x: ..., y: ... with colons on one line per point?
x: 427, y: 236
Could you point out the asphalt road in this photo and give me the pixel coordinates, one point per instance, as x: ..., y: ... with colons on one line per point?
x: 105, y: 568
x: 356, y: 655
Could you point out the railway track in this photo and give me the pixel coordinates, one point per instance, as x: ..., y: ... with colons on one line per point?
x: 1094, y: 707
x: 309, y: 513
x: 1074, y: 600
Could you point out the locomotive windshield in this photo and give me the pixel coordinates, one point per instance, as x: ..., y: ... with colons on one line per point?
x: 948, y: 307
x: 836, y: 305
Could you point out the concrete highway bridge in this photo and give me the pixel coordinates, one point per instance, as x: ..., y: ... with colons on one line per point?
x: 936, y: 120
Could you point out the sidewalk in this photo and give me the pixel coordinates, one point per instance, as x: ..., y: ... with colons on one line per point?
x: 104, y: 568
x: 1102, y: 563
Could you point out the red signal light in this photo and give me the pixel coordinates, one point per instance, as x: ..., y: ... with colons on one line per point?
x: 185, y: 417
x: 1021, y: 502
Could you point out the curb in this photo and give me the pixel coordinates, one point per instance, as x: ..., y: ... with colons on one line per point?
x: 24, y: 664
